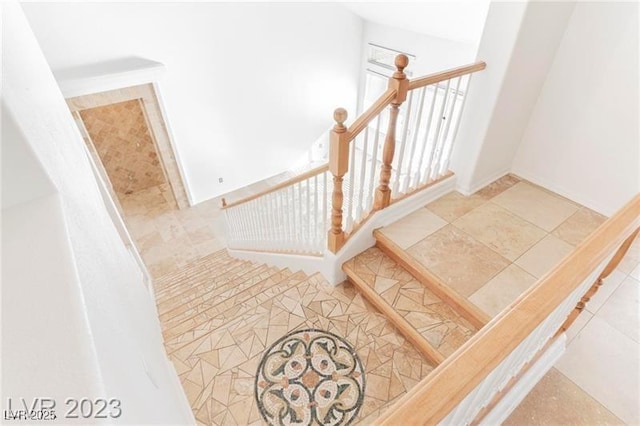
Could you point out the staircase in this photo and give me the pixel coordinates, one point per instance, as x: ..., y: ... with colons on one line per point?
x: 219, y: 315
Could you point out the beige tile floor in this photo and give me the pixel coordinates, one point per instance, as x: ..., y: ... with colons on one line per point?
x: 494, y: 245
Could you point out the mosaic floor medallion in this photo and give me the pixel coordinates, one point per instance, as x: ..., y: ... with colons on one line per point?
x: 310, y: 377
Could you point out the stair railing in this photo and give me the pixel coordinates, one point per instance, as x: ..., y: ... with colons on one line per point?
x: 427, y: 112
x: 468, y: 385
x: 321, y: 209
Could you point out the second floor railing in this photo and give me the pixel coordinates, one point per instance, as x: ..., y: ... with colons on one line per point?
x: 400, y: 145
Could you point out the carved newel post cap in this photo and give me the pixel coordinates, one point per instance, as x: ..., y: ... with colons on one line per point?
x: 340, y: 116
x: 401, y: 62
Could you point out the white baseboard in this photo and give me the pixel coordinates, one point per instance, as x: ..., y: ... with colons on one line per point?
x: 467, y: 190
x: 559, y: 189
x: 522, y: 387
x: 330, y: 265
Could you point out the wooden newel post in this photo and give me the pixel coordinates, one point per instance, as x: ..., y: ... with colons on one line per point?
x: 399, y: 82
x: 338, y: 166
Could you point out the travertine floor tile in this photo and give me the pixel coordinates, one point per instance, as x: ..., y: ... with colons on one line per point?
x: 502, y: 231
x: 609, y: 285
x: 556, y: 400
x: 413, y: 228
x: 458, y: 259
x: 580, y: 225
x: 505, y: 288
x: 604, y: 363
x: 498, y: 186
x: 622, y: 309
x: 543, y: 256
x: 453, y: 205
x: 535, y: 205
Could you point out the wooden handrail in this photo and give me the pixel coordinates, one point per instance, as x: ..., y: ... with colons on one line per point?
x: 433, y: 398
x: 371, y: 113
x: 446, y: 75
x: 298, y: 178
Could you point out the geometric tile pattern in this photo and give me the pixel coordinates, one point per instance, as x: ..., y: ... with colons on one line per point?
x: 218, y: 350
x: 434, y: 319
x: 122, y: 139
x: 310, y: 377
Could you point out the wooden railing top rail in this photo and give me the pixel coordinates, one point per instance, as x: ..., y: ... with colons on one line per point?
x: 446, y: 75
x: 298, y: 178
x: 438, y: 394
x: 371, y: 113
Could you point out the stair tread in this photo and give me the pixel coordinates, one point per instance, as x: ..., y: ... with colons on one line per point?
x: 443, y: 328
x: 236, y: 294
x: 232, y: 310
x: 208, y: 287
x: 169, y: 278
x: 206, y: 279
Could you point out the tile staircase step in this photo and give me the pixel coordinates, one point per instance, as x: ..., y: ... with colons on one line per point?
x: 211, y: 312
x: 169, y: 279
x: 224, y: 274
x: 424, y: 318
x: 461, y: 304
x: 204, y: 286
x: 233, y: 294
x: 197, y: 273
x: 232, y: 309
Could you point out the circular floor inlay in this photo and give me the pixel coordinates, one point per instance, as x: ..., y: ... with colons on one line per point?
x: 310, y: 377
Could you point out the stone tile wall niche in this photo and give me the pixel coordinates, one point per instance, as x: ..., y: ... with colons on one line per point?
x: 145, y: 175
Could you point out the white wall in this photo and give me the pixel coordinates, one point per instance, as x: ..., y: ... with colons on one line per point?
x: 23, y: 178
x: 249, y: 86
x: 518, y: 44
x: 582, y: 138
x: 81, y: 295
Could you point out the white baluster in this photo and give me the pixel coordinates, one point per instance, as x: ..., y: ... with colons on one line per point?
x: 291, y: 216
x: 325, y: 211
x: 425, y: 142
x: 435, y: 171
x: 316, y: 215
x: 414, y: 142
x: 351, y: 183
x: 436, y: 137
x: 363, y: 169
x: 307, y: 217
x: 447, y: 157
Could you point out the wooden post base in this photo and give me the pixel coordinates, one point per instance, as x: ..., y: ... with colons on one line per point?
x: 383, y: 198
x: 335, y: 241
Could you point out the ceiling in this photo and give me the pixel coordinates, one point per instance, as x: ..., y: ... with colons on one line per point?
x: 455, y: 20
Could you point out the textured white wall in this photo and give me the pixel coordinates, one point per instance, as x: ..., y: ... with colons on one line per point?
x: 80, y: 292
x: 248, y: 88
x: 582, y: 139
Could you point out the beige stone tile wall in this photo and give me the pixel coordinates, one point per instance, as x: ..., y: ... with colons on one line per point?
x: 156, y: 123
x: 122, y: 139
